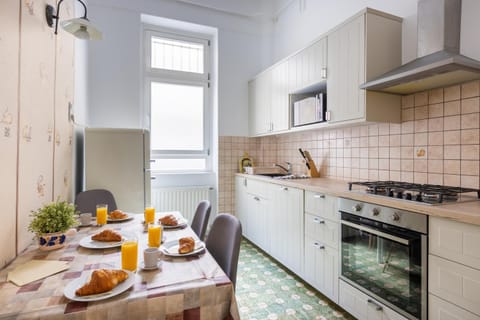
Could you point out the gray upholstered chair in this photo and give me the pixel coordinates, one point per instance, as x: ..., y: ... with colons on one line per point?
x: 223, y: 243
x: 200, y: 219
x: 86, y: 201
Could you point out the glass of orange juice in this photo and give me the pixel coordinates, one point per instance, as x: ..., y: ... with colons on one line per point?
x: 149, y: 215
x: 154, y: 235
x: 130, y: 254
x: 102, y: 210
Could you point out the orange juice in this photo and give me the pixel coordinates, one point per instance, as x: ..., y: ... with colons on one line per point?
x: 154, y: 235
x: 149, y: 215
x: 129, y: 255
x: 102, y: 214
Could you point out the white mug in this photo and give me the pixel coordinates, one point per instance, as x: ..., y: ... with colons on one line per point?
x: 150, y: 257
x: 86, y: 218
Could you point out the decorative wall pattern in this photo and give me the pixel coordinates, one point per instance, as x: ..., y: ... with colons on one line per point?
x: 34, y: 101
x: 438, y: 142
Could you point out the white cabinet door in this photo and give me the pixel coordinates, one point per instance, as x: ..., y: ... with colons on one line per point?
x: 321, y: 267
x: 323, y: 205
x: 258, y: 218
x: 346, y: 71
x: 362, y: 306
x: 260, y: 103
x: 286, y: 242
x: 323, y: 230
x: 241, y: 203
x: 279, y: 112
x: 439, y: 309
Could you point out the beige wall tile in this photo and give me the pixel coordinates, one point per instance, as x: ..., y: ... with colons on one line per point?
x: 421, y: 139
x: 435, y: 96
x: 406, y: 152
x: 383, y: 141
x: 395, y: 128
x: 395, y: 140
x: 407, y: 127
x: 470, y: 136
x: 470, y: 105
x: 421, y: 125
x: 420, y: 165
x: 470, y: 152
x: 407, y: 140
x: 469, y: 167
x: 435, y: 138
x: 406, y: 165
x: 384, y: 164
x: 435, y: 124
x: 435, y: 110
x: 451, y: 123
x: 451, y: 108
x: 435, y: 166
x: 435, y: 178
x: 471, y: 89
x: 451, y: 137
x: 383, y: 129
x: 408, y: 101
x: 451, y: 180
x: 470, y: 120
x: 469, y: 182
x: 395, y: 164
x: 408, y: 114
x: 395, y: 152
x: 451, y: 152
x: 420, y: 177
x: 384, y: 152
x: 451, y: 166
x: 421, y: 99
x: 435, y: 152
x: 421, y: 112
x: 451, y: 93
x: 395, y: 175
x: 407, y: 176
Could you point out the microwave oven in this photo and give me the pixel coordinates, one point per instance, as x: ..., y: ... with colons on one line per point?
x: 309, y: 110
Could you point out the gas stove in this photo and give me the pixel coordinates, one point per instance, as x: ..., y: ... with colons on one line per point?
x: 420, y: 193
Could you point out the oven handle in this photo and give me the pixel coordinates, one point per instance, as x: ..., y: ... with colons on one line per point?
x: 377, y: 233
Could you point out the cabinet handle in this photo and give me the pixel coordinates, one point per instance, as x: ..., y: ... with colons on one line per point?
x: 284, y: 188
x: 328, y: 115
x: 256, y: 198
x: 245, y: 182
x: 324, y: 73
x: 319, y: 221
x: 377, y: 306
x: 319, y: 196
x: 318, y: 245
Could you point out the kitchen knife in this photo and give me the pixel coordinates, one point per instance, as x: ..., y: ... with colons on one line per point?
x: 303, y: 155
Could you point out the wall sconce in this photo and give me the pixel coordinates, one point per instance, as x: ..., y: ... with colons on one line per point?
x: 79, y: 27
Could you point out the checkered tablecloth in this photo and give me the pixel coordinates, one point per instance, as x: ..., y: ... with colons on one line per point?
x: 183, y: 288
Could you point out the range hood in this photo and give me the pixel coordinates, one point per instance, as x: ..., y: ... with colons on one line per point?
x: 439, y: 61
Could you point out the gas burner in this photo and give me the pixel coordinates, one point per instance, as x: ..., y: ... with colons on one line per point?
x: 421, y: 193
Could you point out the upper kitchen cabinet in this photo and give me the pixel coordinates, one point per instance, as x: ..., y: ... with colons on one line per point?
x: 268, y: 101
x: 308, y: 68
x: 364, y: 47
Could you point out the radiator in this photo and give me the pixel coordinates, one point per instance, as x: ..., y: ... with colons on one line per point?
x: 183, y: 199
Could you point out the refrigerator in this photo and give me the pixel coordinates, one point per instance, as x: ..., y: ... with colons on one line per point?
x: 119, y: 160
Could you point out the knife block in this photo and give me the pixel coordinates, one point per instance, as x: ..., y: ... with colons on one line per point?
x: 313, y: 168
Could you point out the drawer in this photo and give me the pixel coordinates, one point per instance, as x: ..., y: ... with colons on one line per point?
x: 322, y: 205
x: 455, y: 283
x: 322, y: 230
x: 439, y: 309
x: 258, y: 188
x: 455, y: 241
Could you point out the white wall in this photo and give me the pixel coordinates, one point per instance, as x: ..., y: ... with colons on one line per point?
x: 114, y: 70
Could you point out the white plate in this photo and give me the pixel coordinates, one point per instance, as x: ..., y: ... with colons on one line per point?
x: 181, y: 224
x: 170, y: 249
x: 129, y: 217
x: 73, y: 285
x: 87, y: 242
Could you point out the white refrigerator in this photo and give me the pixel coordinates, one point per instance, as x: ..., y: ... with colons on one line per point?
x: 119, y: 160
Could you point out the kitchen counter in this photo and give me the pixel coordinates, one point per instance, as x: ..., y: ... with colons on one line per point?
x: 467, y: 212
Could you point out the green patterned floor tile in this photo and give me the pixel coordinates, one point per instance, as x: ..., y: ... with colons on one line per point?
x: 266, y: 290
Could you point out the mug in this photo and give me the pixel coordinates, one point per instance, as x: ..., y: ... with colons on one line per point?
x: 150, y: 257
x: 85, y: 219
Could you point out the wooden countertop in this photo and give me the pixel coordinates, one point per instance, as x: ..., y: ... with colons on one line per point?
x: 467, y: 212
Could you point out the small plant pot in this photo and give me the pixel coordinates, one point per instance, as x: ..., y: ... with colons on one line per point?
x: 51, y: 241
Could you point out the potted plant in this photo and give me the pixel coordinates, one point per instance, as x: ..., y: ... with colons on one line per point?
x: 50, y: 223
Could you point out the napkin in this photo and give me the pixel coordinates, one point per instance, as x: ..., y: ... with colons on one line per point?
x: 34, y: 270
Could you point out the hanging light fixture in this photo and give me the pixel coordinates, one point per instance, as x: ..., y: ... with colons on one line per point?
x: 81, y: 28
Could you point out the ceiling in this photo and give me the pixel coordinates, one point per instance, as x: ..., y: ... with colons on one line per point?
x: 247, y: 8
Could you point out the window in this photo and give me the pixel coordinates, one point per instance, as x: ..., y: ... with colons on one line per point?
x: 178, y: 100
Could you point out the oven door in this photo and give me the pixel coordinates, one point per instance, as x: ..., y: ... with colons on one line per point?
x: 386, y: 262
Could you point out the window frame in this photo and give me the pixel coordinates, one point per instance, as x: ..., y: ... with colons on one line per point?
x: 152, y: 75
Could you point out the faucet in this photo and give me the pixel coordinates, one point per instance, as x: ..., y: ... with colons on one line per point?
x: 288, y: 169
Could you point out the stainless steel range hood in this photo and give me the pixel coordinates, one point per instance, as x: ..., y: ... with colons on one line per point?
x: 439, y: 61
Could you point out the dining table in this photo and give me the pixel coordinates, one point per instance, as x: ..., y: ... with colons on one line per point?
x: 184, y: 287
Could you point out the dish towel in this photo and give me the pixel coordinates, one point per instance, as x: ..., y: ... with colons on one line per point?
x: 34, y: 270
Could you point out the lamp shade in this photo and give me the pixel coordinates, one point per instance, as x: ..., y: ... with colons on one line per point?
x: 81, y: 28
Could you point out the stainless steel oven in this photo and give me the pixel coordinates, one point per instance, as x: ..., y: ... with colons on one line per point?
x: 384, y: 254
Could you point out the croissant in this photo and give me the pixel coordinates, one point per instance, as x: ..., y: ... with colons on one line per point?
x: 117, y: 214
x: 107, y: 235
x: 186, y: 245
x: 169, y: 220
x: 102, y: 280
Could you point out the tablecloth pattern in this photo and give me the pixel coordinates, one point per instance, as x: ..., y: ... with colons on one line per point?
x: 182, y: 288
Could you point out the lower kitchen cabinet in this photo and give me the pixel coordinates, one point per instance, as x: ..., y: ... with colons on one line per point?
x: 439, y: 309
x: 454, y: 268
x: 286, y: 234
x: 258, y: 212
x: 241, y: 196
x: 362, y: 306
x: 321, y: 267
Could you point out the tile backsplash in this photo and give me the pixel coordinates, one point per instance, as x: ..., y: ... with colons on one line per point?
x: 437, y: 142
